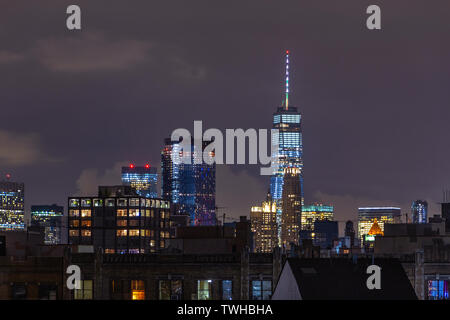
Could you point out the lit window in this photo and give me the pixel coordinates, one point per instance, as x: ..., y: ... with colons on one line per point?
x: 261, y: 290
x: 121, y: 212
x: 122, y: 223
x: 86, y: 213
x: 134, y: 233
x: 74, y: 203
x: 137, y: 290
x: 86, y: 291
x: 121, y: 233
x: 86, y: 223
x: 204, y: 289
x: 74, y: 213
x: 227, y: 289
x: 85, y: 202
x: 85, y: 233
x: 438, y: 289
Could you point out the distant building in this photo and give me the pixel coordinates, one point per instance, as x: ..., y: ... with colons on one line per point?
x: 350, y: 232
x: 264, y: 226
x: 368, y: 216
x: 291, y: 205
x: 325, y: 232
x: 190, y: 187
x: 445, y: 214
x: 419, y: 211
x: 316, y: 212
x: 118, y: 220
x: 49, y: 218
x: 311, y: 214
x: 142, y: 179
x: 11, y: 205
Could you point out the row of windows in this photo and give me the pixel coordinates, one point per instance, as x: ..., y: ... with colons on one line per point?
x: 85, y: 213
x: 123, y: 233
x: 173, y: 289
x: 120, y: 202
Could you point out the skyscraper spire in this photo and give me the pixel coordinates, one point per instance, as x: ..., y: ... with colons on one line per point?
x: 287, y: 80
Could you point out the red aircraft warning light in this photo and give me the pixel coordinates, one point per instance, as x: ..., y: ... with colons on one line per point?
x: 131, y: 166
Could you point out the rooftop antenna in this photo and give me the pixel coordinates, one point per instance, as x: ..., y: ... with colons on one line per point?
x: 287, y: 80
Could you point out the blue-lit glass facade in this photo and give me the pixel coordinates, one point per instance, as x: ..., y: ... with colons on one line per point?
x: 438, y: 289
x: 419, y: 210
x: 11, y: 205
x: 49, y: 219
x: 290, y: 153
x: 142, y: 179
x: 190, y: 187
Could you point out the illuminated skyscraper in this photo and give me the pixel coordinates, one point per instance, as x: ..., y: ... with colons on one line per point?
x: 287, y: 120
x: 291, y: 208
x: 374, y: 218
x: 142, y: 179
x: 191, y: 188
x: 264, y: 226
x: 11, y: 205
x: 313, y: 213
x: 49, y: 219
x: 419, y: 210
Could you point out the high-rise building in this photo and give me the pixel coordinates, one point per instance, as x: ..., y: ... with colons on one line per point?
x: 264, y: 226
x: 142, y: 179
x: 11, y: 205
x: 419, y: 211
x: 118, y: 220
x: 291, y: 208
x: 316, y: 212
x: 312, y: 214
x: 49, y: 218
x: 287, y: 120
x: 445, y: 210
x: 190, y: 187
x: 374, y: 218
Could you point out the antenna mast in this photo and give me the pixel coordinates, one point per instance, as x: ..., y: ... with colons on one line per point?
x: 287, y: 80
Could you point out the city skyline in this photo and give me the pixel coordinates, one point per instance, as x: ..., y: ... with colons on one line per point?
x: 394, y: 111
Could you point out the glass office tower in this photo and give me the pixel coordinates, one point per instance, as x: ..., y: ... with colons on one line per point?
x: 49, y: 219
x: 287, y: 120
x: 419, y: 210
x: 191, y: 188
x: 142, y: 179
x: 11, y: 205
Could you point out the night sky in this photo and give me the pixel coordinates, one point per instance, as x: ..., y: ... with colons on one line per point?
x: 77, y: 105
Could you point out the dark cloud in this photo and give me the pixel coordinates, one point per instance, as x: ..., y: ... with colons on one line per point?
x: 90, y: 52
x: 21, y: 149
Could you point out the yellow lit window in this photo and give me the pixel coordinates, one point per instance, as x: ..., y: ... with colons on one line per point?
x: 86, y: 213
x: 137, y: 290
